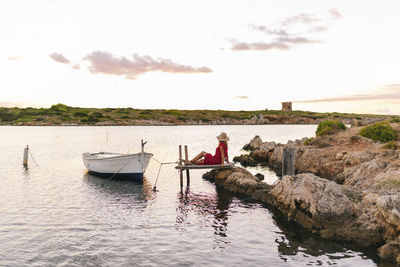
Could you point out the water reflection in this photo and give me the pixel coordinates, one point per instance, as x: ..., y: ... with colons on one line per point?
x: 122, y: 191
x: 293, y: 242
x: 217, y: 205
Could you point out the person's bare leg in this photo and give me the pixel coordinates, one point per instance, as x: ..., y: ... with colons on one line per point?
x: 197, y: 158
x: 199, y: 162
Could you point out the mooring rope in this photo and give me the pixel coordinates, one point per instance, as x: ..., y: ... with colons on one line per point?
x: 159, y: 169
x: 33, y: 157
x: 120, y: 169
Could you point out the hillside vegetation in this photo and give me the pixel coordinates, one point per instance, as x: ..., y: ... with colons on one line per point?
x: 65, y: 115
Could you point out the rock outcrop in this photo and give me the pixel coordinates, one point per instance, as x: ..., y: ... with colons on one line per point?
x: 346, y: 188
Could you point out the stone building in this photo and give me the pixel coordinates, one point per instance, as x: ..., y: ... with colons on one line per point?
x: 286, y: 106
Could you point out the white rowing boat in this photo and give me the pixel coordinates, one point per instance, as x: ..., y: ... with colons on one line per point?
x: 117, y: 165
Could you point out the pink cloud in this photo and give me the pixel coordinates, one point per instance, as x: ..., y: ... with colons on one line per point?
x: 14, y: 58
x: 106, y: 63
x: 59, y: 58
x: 335, y: 13
x: 390, y: 92
x: 260, y: 46
x: 244, y: 97
x: 301, y: 18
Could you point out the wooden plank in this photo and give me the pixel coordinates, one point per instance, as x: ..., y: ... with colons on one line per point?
x: 199, y: 167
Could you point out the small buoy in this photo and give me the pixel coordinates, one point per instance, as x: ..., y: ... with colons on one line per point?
x: 25, y: 161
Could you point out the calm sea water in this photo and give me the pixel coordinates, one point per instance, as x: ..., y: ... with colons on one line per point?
x: 56, y: 214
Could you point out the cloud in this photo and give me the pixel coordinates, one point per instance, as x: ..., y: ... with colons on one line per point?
x: 244, y: 97
x: 283, y: 43
x: 335, y: 13
x: 264, y: 29
x: 106, y: 63
x: 14, y: 58
x: 297, y: 40
x: 391, y: 92
x: 260, y: 46
x: 281, y: 37
x: 76, y: 66
x: 59, y: 58
x: 301, y: 18
x: 318, y: 29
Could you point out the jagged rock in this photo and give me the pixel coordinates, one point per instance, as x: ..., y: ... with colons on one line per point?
x: 310, y: 161
x: 246, y: 147
x: 359, y: 157
x: 259, y: 156
x: 275, y: 159
x: 390, y: 251
x: 341, y: 155
x: 255, y: 143
x: 245, y: 160
x: 259, y: 176
x: 319, y: 199
x: 268, y: 146
x: 389, y: 207
x: 239, y: 180
x: 359, y: 200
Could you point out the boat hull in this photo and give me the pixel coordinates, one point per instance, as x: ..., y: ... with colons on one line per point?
x: 118, y: 166
x: 137, y: 177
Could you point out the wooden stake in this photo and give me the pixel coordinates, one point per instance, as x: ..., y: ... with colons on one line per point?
x: 288, y: 161
x: 180, y: 164
x: 25, y: 160
x: 187, y: 170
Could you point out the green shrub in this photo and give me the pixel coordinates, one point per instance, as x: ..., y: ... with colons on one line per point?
x: 6, y: 115
x: 80, y: 114
x: 60, y: 107
x: 97, y: 114
x: 182, y: 118
x: 308, y: 141
x: 380, y: 131
x: 396, y: 120
x: 391, y: 145
x: 329, y: 127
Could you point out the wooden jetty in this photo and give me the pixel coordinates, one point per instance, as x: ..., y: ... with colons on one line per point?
x: 182, y: 167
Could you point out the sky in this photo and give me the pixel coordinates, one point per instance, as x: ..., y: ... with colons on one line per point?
x: 325, y: 56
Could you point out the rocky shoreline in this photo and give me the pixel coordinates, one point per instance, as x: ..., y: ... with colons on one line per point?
x: 346, y: 187
x: 255, y: 120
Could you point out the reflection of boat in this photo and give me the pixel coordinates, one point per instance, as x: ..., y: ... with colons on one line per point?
x: 116, y: 165
x: 128, y: 194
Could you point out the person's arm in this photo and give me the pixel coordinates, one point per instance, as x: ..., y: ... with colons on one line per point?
x: 222, y: 155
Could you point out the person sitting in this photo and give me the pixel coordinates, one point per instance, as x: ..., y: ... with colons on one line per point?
x: 221, y: 154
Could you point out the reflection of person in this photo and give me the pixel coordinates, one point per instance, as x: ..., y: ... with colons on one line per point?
x: 221, y: 153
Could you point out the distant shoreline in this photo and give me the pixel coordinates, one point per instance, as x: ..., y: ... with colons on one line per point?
x: 62, y: 115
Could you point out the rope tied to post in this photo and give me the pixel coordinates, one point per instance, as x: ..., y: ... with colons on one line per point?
x: 30, y: 153
x: 159, y: 170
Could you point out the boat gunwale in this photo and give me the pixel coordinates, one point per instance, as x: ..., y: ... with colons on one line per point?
x: 91, y: 156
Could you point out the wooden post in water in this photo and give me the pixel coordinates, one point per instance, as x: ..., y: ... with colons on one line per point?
x: 187, y: 170
x: 25, y: 160
x: 288, y: 166
x: 180, y: 164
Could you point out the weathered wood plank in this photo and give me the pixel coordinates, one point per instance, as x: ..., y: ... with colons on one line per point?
x: 198, y: 167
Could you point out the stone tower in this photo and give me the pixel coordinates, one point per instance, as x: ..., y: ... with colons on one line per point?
x: 286, y: 106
